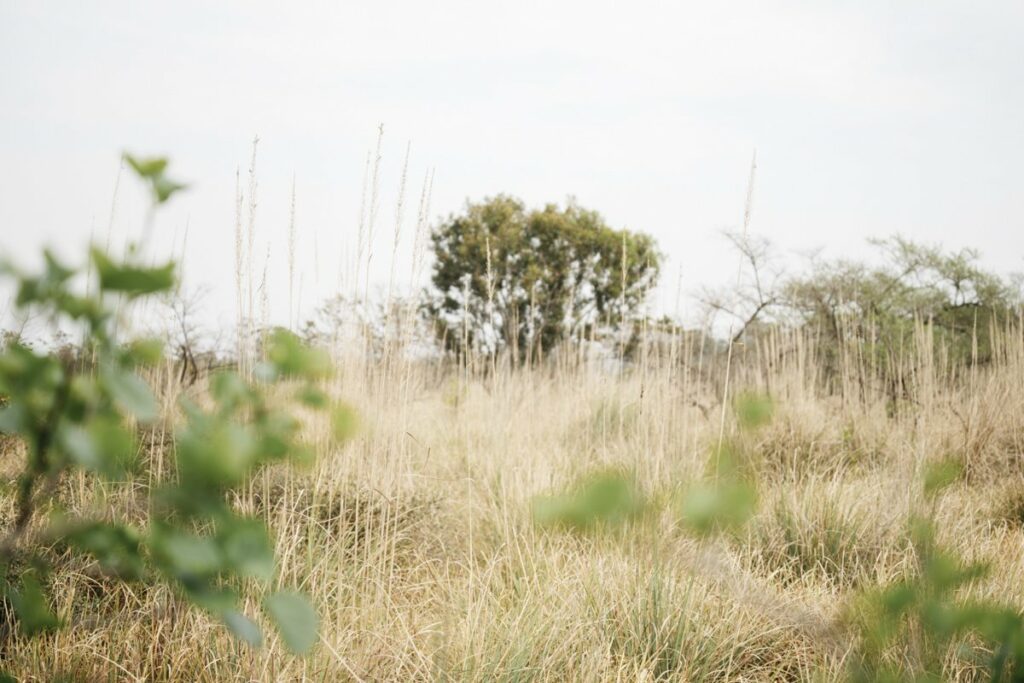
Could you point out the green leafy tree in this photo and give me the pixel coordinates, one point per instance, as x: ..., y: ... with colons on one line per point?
x: 85, y: 417
x: 878, y: 304
x: 873, y: 308
x: 508, y: 278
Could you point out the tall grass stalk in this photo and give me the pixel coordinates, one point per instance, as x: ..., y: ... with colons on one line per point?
x: 291, y: 258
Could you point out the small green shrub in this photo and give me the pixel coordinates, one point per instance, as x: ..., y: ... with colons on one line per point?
x: 82, y: 417
x: 923, y: 626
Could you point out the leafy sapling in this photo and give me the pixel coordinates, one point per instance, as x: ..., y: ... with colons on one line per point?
x: 82, y: 418
x: 915, y: 628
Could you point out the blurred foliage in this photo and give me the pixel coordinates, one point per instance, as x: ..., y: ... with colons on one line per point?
x: 922, y: 627
x: 917, y: 627
x: 727, y: 498
x: 153, y: 170
x: 84, y: 419
x: 602, y: 500
x: 709, y: 507
x: 753, y: 410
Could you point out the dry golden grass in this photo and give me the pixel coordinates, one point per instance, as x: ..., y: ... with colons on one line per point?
x: 415, y: 539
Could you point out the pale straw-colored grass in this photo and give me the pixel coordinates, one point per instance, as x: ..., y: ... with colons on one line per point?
x: 416, y: 543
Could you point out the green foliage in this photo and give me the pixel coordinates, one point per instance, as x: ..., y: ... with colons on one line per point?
x: 289, y: 357
x: 30, y: 606
x: 295, y: 619
x: 709, y: 507
x: 344, y: 422
x: 940, y: 475
x: 131, y: 280
x: 600, y: 501
x: 724, y: 500
x: 909, y: 630
x: 506, y: 277
x: 727, y: 499
x: 753, y: 410
x: 84, y: 419
x: 116, y: 547
x: 875, y: 307
x: 153, y: 171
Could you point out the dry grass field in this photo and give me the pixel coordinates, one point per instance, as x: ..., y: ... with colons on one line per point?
x: 519, y: 342
x: 417, y: 543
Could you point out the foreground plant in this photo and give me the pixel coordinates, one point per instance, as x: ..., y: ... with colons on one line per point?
x: 914, y: 628
x: 724, y: 500
x: 83, y: 417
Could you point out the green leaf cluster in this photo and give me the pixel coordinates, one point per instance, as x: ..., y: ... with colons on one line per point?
x: 84, y: 417
x: 725, y: 499
x: 506, y: 277
x: 601, y: 500
x: 153, y: 170
x: 907, y: 630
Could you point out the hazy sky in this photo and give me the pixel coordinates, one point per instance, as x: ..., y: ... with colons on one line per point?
x: 869, y: 118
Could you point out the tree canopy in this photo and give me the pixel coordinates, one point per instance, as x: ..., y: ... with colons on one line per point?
x: 506, y: 277
x: 874, y: 305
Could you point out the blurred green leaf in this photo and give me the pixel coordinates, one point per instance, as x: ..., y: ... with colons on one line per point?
x: 312, y: 396
x: 602, y: 499
x: 48, y: 287
x: 82, y: 308
x: 753, y: 410
x: 247, y: 548
x: 216, y: 453
x: 302, y: 455
x: 291, y: 358
x: 29, y: 603
x: 103, y: 446
x: 153, y: 171
x: 229, y: 390
x: 295, y: 619
x: 941, y: 475
x: 56, y: 272
x: 243, y: 627
x: 344, y: 422
x: 132, y: 280
x: 899, y: 598
x: 164, y: 187
x: 187, y: 556
x: 205, y: 594
x: 278, y: 430
x: 13, y: 418
x: 130, y: 392
x: 715, y: 506
x: 146, y: 167
x: 144, y: 352
x: 188, y: 501
x: 116, y: 547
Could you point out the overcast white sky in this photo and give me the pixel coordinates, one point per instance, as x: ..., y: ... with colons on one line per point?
x: 869, y: 118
